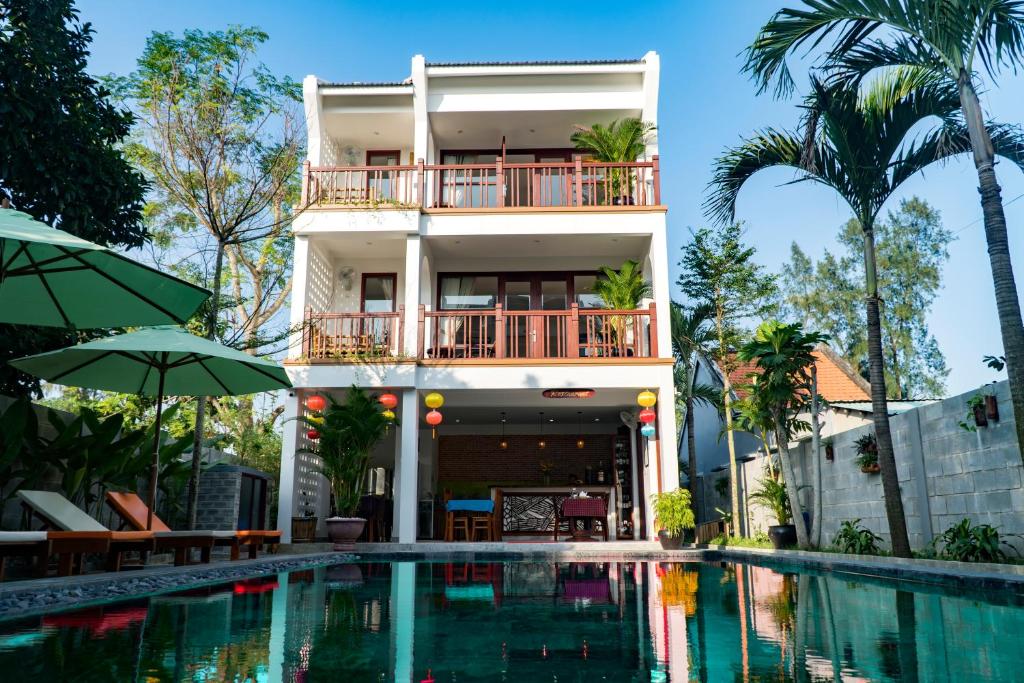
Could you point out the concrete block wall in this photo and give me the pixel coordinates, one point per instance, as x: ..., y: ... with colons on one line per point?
x: 945, y: 474
x: 218, y: 499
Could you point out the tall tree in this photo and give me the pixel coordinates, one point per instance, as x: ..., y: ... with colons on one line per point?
x: 911, y: 246
x: 59, y: 150
x: 950, y: 38
x: 856, y: 142
x: 719, y: 272
x: 692, y: 334
x: 220, y: 142
x: 782, y: 387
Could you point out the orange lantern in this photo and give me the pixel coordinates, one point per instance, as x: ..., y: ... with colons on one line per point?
x: 316, y: 403
x: 647, y: 416
x: 312, y: 435
x: 388, y: 400
x: 433, y: 419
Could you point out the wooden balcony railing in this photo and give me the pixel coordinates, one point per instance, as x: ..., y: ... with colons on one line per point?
x: 571, y: 184
x: 353, y: 336
x: 574, y: 333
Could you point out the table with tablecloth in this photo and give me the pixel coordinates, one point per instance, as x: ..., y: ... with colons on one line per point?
x: 470, y: 507
x: 587, y: 509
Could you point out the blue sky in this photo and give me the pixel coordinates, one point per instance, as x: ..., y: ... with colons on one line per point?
x: 705, y: 105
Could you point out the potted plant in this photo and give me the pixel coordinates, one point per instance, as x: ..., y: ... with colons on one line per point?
x: 773, y: 496
x: 622, y: 290
x: 867, y: 454
x: 830, y: 450
x: 348, y: 434
x: 304, y: 525
x: 622, y: 141
x: 674, y: 514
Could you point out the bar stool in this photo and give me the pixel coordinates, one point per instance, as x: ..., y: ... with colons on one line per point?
x: 461, y: 523
x: 481, y: 523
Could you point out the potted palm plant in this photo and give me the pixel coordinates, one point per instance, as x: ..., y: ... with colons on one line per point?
x: 674, y: 514
x: 775, y: 498
x: 622, y: 290
x: 621, y: 141
x: 348, y: 434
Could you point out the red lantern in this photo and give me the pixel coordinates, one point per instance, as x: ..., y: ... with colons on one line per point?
x: 433, y: 419
x: 316, y: 403
x: 312, y: 435
x: 647, y: 415
x: 388, y: 400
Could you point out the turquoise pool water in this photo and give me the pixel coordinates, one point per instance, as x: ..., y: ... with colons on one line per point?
x: 529, y: 621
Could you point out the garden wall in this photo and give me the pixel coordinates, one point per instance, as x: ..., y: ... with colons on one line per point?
x: 945, y: 473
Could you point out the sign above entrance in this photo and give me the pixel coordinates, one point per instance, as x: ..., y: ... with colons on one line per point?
x: 569, y: 393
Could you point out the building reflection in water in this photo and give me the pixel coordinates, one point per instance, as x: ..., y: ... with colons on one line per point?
x: 526, y: 621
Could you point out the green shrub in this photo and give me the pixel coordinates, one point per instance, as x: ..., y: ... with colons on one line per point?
x: 774, y: 496
x: 965, y: 543
x: 673, y: 511
x: 856, y: 539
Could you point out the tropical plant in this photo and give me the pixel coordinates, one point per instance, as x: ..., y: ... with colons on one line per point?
x: 973, y: 403
x: 348, y: 434
x: 673, y: 512
x: 621, y: 141
x: 722, y: 487
x: 866, y: 448
x: 774, y: 497
x: 856, y: 142
x: 783, y: 356
x: 692, y: 333
x: 856, y: 539
x: 622, y: 290
x: 718, y: 270
x: 963, y: 542
x: 948, y: 38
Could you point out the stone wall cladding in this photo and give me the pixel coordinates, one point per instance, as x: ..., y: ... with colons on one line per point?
x: 218, y: 500
x: 945, y: 473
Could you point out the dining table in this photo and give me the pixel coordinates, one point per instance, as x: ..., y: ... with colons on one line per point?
x: 588, y: 509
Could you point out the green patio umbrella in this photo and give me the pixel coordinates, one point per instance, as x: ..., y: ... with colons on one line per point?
x: 52, y: 278
x: 157, y: 361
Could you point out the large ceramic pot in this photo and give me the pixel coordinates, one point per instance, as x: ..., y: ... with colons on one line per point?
x: 343, y: 531
x: 668, y: 541
x: 782, y: 535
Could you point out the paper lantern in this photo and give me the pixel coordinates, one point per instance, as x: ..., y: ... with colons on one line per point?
x: 388, y: 400
x: 433, y: 400
x: 647, y: 430
x: 388, y: 414
x: 434, y: 418
x: 580, y: 443
x: 316, y: 403
x: 647, y: 416
x: 646, y: 398
x: 316, y: 419
x: 312, y: 435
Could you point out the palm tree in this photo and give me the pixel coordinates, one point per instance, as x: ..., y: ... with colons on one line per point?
x: 621, y: 141
x: 692, y: 333
x: 856, y: 143
x: 950, y: 38
x: 622, y: 290
x: 781, y: 388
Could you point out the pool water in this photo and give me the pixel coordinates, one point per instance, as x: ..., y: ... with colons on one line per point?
x: 529, y: 621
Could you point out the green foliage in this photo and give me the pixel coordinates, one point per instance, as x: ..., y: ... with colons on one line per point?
x: 722, y: 486
x: 867, y: 450
x: 622, y: 140
x: 965, y: 543
x: 623, y: 289
x: 348, y: 435
x: 976, y: 401
x: 773, y: 496
x: 673, y: 511
x: 137, y: 410
x: 856, y: 539
x: 911, y: 248
x: 759, y: 541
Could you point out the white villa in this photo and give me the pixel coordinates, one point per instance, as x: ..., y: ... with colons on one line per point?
x: 451, y: 244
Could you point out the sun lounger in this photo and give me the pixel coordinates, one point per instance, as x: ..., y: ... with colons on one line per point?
x: 133, y: 511
x: 79, y: 533
x: 32, y: 544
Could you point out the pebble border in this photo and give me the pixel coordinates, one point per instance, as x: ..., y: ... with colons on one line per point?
x: 38, y: 596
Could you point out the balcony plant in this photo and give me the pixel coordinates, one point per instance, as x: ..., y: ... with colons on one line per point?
x: 622, y: 290
x: 674, y: 514
x: 621, y: 141
x: 348, y: 434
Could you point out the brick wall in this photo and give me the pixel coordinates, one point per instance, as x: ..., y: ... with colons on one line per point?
x: 477, y: 459
x: 217, y: 507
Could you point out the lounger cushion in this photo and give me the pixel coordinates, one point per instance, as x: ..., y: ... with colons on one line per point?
x: 22, y: 536
x: 60, y: 511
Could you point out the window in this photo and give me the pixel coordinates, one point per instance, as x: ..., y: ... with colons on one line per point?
x: 584, y: 290
x: 378, y: 292
x: 382, y: 158
x: 460, y: 292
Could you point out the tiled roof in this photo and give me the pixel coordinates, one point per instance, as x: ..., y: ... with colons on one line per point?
x: 837, y: 380
x: 568, y: 62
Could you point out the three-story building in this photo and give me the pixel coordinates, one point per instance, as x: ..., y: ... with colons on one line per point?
x: 451, y: 242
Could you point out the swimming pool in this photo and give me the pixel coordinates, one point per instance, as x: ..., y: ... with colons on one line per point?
x: 529, y: 621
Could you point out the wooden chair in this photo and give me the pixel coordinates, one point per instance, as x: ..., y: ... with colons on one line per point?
x: 481, y: 524
x: 457, y: 523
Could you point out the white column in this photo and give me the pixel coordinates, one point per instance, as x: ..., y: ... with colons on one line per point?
x: 660, y: 279
x: 289, y: 461
x: 411, y: 295
x: 633, y: 457
x: 300, y: 268
x: 652, y: 74
x: 421, y: 123
x: 667, y: 438
x: 314, y: 109
x: 407, y: 469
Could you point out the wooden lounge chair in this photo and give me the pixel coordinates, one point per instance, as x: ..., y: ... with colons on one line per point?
x: 130, y: 508
x: 32, y: 544
x: 134, y: 511
x: 78, y: 533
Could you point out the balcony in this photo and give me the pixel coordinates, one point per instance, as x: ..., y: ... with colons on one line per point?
x: 353, y: 336
x: 499, y: 186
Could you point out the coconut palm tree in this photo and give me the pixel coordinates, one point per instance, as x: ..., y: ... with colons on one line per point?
x: 951, y: 38
x: 692, y: 333
x: 856, y: 142
x: 781, y: 388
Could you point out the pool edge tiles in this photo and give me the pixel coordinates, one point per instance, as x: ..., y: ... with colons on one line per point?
x: 30, y: 597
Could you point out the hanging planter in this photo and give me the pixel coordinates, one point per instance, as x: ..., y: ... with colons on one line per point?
x: 991, y: 408
x: 867, y: 454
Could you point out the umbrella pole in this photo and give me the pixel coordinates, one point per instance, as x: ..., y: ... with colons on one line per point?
x: 155, y: 467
